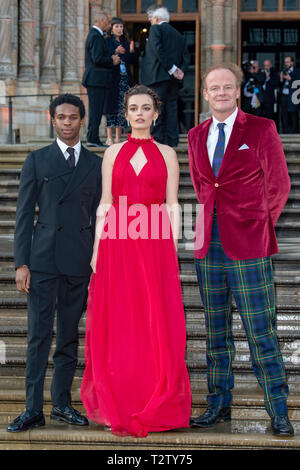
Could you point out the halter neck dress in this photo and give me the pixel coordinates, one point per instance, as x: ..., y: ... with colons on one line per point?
x: 135, y: 380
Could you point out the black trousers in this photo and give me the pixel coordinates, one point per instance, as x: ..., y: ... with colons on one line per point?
x: 166, y: 130
x: 289, y: 119
x: 47, y: 293
x: 97, y: 99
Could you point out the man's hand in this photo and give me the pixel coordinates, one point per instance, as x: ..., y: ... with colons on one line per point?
x: 178, y: 74
x: 116, y: 59
x: 23, y: 279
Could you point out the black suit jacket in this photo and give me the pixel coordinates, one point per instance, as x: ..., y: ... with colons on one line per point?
x: 98, y: 61
x: 62, y: 239
x: 293, y: 105
x: 165, y: 47
x: 271, y: 85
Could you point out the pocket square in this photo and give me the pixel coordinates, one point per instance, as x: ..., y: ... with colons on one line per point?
x: 244, y: 147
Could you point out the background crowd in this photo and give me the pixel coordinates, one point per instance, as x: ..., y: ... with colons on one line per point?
x: 272, y: 94
x: 110, y: 53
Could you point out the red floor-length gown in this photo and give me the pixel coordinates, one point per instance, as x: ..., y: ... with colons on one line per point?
x: 135, y: 380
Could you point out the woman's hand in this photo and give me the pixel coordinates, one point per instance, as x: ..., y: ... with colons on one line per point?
x: 120, y: 50
x: 94, y: 261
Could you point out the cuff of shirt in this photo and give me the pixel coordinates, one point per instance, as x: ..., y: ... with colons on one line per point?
x: 172, y: 70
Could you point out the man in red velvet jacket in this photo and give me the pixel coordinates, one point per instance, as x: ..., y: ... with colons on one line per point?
x: 240, y: 176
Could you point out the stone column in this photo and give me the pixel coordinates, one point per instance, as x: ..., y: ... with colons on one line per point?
x: 70, y: 41
x: 26, y: 40
x: 218, y: 46
x: 48, y: 26
x: 6, y: 64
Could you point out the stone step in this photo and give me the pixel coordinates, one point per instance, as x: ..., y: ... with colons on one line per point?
x: 284, y: 228
x: 286, y: 293
x: 16, y: 300
x: 13, y: 351
x: 13, y: 323
x: 15, y: 161
x: 251, y: 435
x: 12, y: 175
x: 246, y: 404
x: 8, y: 186
x: 289, y: 214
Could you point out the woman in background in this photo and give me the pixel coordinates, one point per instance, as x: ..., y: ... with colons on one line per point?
x: 118, y: 43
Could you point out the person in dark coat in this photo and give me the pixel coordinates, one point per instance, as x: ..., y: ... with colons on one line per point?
x: 270, y: 85
x: 253, y: 95
x: 52, y: 257
x: 163, y: 66
x: 289, y: 109
x: 120, y: 80
x: 98, y: 65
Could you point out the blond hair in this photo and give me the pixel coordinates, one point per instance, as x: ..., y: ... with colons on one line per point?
x: 233, y: 68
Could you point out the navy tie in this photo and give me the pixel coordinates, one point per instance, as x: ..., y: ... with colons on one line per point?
x: 219, y: 150
x: 71, y: 159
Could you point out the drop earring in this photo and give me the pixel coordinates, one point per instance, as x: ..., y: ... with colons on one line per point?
x: 128, y: 123
x: 154, y: 122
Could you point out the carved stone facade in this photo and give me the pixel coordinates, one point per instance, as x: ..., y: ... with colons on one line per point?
x: 42, y: 53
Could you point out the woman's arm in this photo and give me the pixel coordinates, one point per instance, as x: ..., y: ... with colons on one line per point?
x: 105, y: 201
x: 172, y: 204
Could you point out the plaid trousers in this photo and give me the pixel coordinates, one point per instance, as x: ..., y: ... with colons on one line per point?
x: 251, y: 283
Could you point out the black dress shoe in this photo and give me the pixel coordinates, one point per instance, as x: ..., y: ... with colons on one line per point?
x: 26, y: 421
x: 281, y: 426
x: 212, y: 416
x: 68, y: 415
x: 97, y: 144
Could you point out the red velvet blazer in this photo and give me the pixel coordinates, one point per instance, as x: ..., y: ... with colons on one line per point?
x: 250, y: 191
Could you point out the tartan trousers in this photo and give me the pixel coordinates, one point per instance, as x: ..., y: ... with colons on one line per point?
x: 252, y: 286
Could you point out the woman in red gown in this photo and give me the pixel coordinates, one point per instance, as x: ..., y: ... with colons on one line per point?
x: 135, y: 380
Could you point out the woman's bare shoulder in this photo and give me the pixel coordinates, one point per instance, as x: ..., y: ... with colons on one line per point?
x: 111, y: 152
x: 167, y: 152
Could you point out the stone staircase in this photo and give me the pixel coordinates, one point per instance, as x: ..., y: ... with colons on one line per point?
x: 250, y: 427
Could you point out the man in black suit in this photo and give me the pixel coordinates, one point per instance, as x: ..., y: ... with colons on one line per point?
x: 98, y: 64
x: 270, y: 85
x: 52, y: 257
x: 289, y: 109
x: 163, y: 66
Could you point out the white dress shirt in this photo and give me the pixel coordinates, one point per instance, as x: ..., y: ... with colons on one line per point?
x: 213, y: 133
x: 63, y: 147
x: 99, y: 29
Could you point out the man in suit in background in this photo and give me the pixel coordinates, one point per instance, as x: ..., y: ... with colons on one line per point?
x: 52, y: 257
x: 270, y: 85
x: 98, y: 64
x: 289, y: 110
x: 240, y: 176
x: 163, y: 66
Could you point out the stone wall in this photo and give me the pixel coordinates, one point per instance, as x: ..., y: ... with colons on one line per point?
x: 41, y: 53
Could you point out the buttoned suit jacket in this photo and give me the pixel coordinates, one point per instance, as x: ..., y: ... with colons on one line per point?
x: 249, y: 192
x: 61, y: 240
x: 98, y: 62
x: 165, y: 47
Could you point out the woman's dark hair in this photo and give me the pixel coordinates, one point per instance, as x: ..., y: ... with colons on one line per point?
x: 142, y: 90
x: 67, y: 98
x: 118, y: 20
